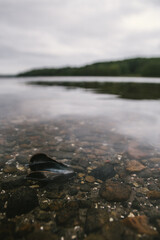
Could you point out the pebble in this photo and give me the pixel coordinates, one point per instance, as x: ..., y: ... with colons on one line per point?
x: 140, y: 224
x: 104, y: 172
x: 21, y: 201
x: 9, y: 169
x: 95, y: 219
x: 135, y: 152
x: 134, y: 166
x: 153, y: 194
x: 116, y: 192
x: 80, y: 175
x: 90, y: 179
x: 154, y: 160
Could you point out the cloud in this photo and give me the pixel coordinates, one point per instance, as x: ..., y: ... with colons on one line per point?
x: 38, y: 33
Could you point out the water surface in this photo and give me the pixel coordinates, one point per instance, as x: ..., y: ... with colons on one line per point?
x: 132, y: 105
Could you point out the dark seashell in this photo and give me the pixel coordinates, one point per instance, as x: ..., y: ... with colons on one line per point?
x: 49, y: 176
x: 41, y: 162
x: 45, y: 168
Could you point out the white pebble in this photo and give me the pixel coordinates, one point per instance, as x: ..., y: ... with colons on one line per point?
x: 111, y: 219
x: 131, y: 215
x: 74, y: 236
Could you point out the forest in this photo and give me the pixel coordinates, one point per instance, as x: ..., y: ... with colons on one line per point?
x: 140, y: 67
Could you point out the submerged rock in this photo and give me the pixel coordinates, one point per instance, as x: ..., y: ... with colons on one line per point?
x: 90, y: 179
x: 113, y: 191
x: 136, y: 152
x: 9, y: 169
x: 21, y: 201
x: 153, y: 195
x: 134, y: 166
x: 140, y: 224
x: 104, y: 172
x: 95, y: 219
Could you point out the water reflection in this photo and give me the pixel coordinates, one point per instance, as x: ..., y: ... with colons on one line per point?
x: 127, y: 90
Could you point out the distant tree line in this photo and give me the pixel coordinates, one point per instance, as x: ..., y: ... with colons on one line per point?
x: 145, y: 67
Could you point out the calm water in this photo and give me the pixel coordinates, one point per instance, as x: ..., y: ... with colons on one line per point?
x: 132, y: 105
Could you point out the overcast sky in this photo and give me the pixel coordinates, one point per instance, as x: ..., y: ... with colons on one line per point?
x: 55, y: 33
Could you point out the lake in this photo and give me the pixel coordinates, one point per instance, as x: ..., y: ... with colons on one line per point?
x: 131, y: 115
x: 107, y: 129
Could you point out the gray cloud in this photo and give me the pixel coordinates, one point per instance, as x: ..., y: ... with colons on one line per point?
x: 39, y: 33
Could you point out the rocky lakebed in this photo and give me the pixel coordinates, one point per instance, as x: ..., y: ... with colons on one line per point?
x: 112, y: 193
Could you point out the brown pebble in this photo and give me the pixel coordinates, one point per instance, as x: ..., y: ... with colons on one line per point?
x: 10, y: 169
x: 140, y: 224
x: 154, y: 160
x: 81, y: 175
x: 135, y: 152
x: 90, y: 179
x: 34, y: 186
x: 134, y: 166
x: 117, y: 192
x: 99, y: 181
x: 153, y: 194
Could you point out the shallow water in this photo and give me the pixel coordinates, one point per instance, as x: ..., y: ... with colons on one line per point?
x: 107, y: 131
x: 138, y: 118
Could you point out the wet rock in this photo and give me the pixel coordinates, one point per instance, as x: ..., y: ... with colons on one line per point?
x: 55, y: 195
x: 53, y: 187
x: 146, y: 173
x: 63, y: 155
x: 67, y: 217
x: 9, y: 169
x: 95, y: 219
x: 56, y: 205
x: 113, y: 230
x: 44, y: 204
x: 42, y: 216
x: 114, y: 191
x: 21, y: 201
x: 90, y: 179
x: 153, y: 215
x: 140, y: 224
x: 154, y: 160
x: 80, y: 175
x: 99, y: 152
x: 3, y: 200
x: 84, y: 187
x: 21, y: 159
x: 85, y: 204
x: 83, y: 163
x: 134, y: 166
x: 135, y: 152
x: 77, y: 169
x: 104, y: 172
x: 14, y: 183
x: 153, y: 195
x: 72, y: 205
x: 136, y: 204
x: 73, y: 191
